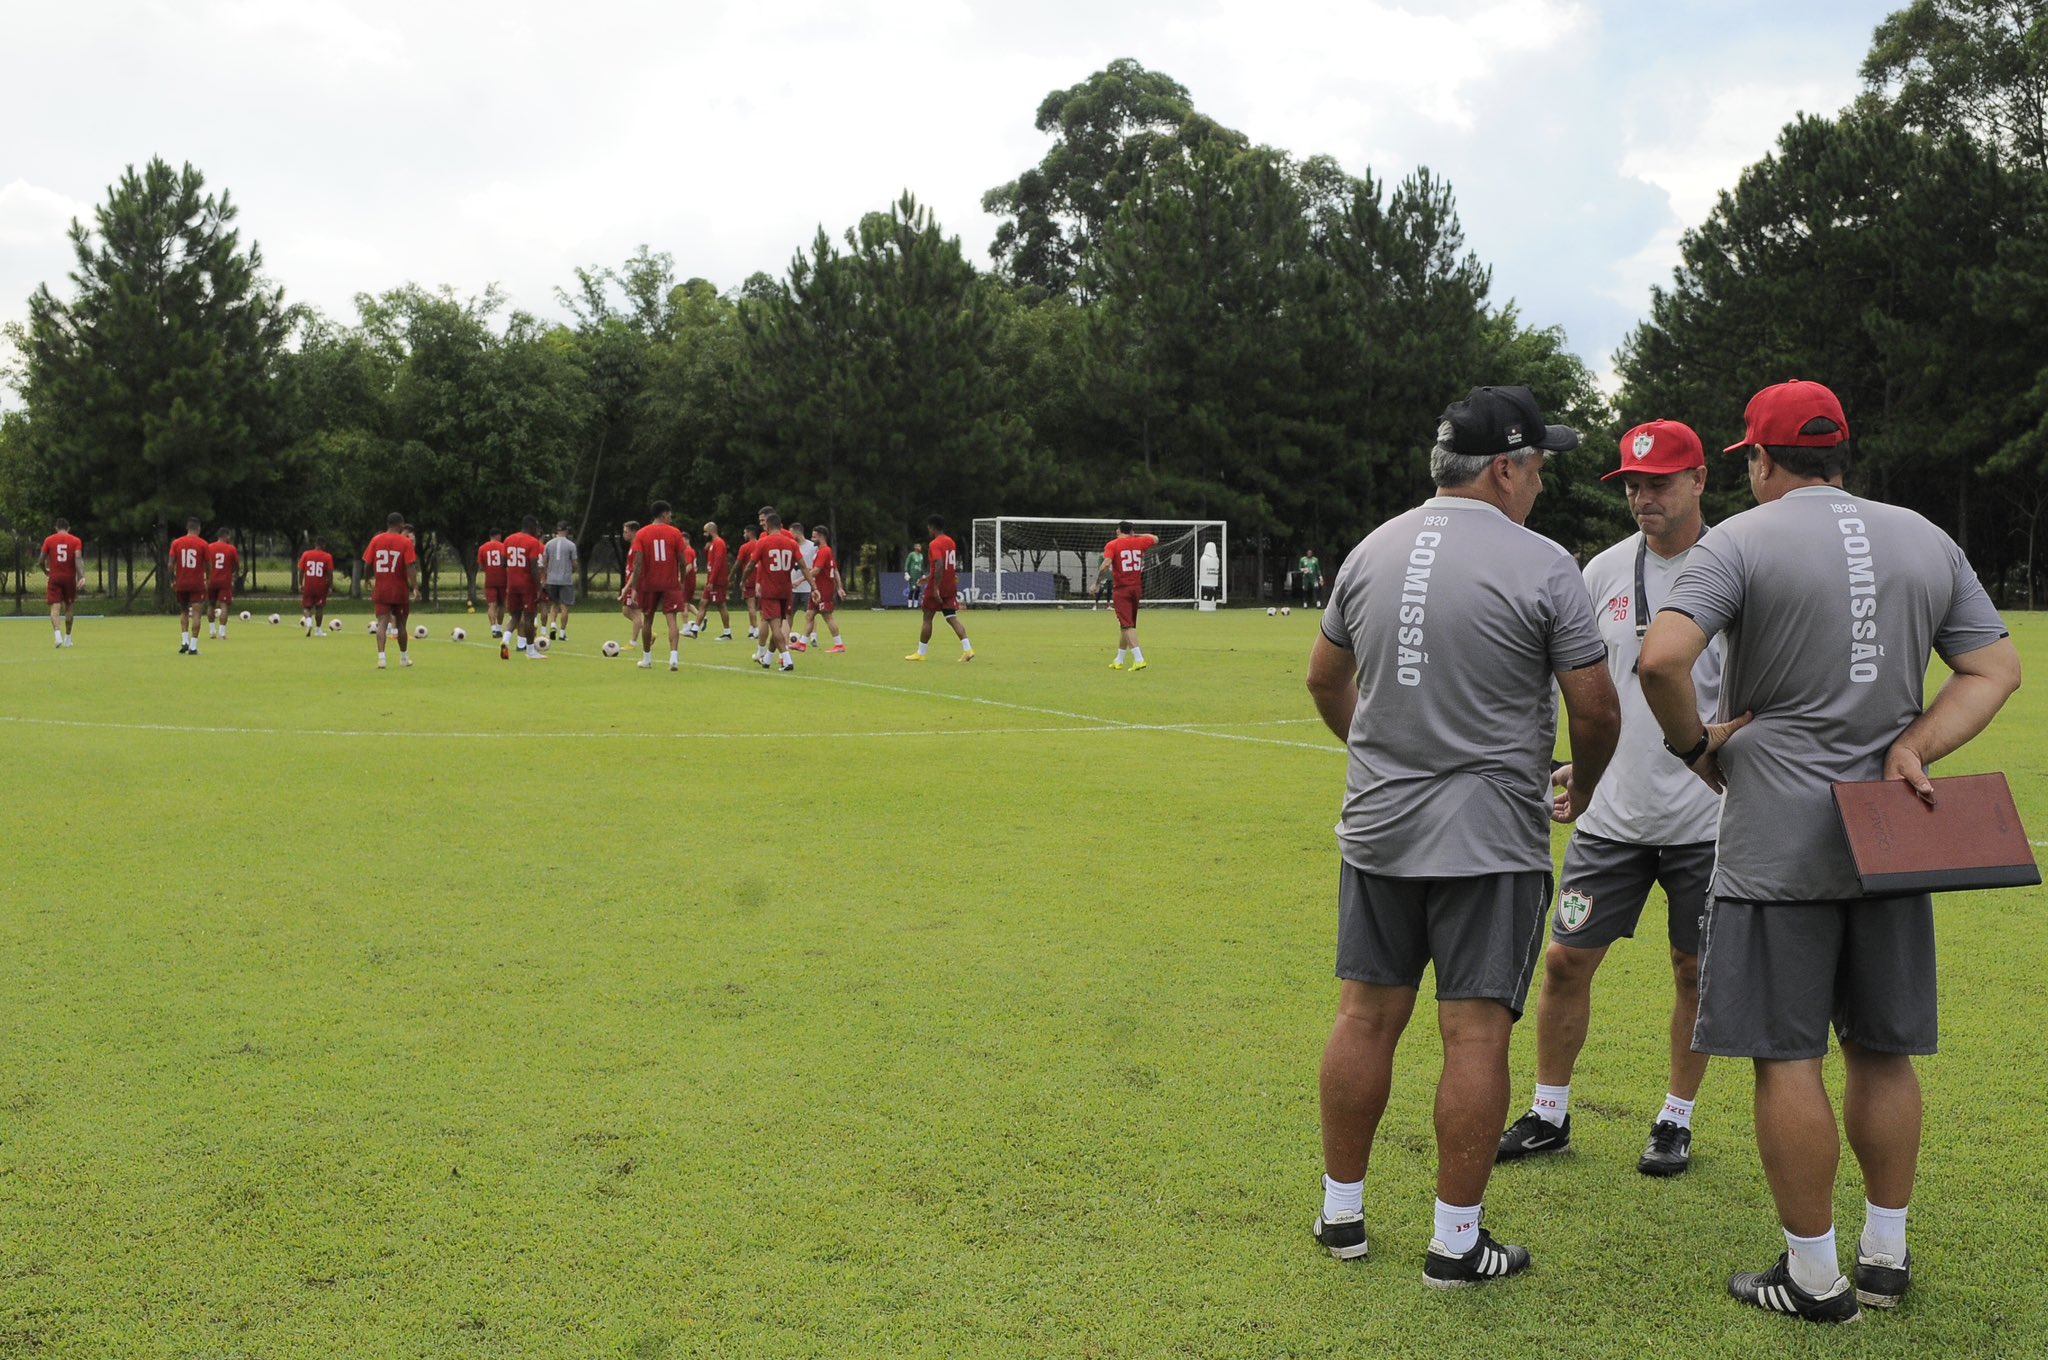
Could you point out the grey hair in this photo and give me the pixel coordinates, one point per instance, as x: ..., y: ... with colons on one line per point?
x: 1449, y: 469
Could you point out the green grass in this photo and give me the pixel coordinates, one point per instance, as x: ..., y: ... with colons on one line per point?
x: 558, y: 1009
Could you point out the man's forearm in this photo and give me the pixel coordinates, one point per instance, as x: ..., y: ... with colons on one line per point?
x: 1964, y: 708
x: 1592, y: 748
x: 1675, y: 705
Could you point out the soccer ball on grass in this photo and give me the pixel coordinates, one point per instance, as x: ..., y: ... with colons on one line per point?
x: 419, y: 630
x: 245, y: 616
x: 540, y: 642
x: 1285, y: 611
x: 1271, y: 611
x: 274, y: 620
x: 334, y: 625
x: 610, y: 649
x: 460, y: 635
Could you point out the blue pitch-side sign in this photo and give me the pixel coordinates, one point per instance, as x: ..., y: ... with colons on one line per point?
x: 976, y: 587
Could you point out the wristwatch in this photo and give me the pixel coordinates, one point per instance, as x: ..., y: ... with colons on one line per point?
x: 1691, y: 757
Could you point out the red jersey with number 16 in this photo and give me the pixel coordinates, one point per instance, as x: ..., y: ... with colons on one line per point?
x: 661, y: 558
x: 188, y: 555
x: 388, y: 556
x: 1127, y: 559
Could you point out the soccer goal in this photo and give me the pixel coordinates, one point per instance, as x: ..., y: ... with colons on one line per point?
x: 1032, y: 560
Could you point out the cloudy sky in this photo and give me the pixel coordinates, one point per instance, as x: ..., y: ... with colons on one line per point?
x: 376, y: 142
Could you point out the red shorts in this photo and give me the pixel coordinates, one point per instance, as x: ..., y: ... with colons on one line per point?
x: 935, y: 603
x: 398, y: 610
x: 714, y: 594
x: 62, y: 592
x: 494, y: 594
x: 823, y: 602
x: 775, y: 606
x: 190, y: 596
x: 309, y: 600
x: 519, y: 600
x: 689, y: 589
x: 668, y: 601
x: 220, y: 594
x: 629, y: 601
x: 1125, y: 602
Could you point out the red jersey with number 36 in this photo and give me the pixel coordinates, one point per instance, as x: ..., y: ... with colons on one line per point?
x: 316, y: 571
x: 942, y: 568
x: 1127, y: 559
x: 661, y: 557
x: 188, y: 557
x: 61, y: 551
x: 388, y: 556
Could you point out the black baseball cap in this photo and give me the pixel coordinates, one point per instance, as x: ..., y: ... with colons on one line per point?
x: 1496, y: 420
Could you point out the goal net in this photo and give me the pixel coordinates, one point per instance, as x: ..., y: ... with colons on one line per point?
x: 1023, y: 560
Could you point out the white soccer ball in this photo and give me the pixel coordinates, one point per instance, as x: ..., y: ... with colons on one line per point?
x: 460, y: 635
x: 334, y: 625
x: 1271, y: 611
x: 245, y: 616
x: 611, y: 649
x: 370, y: 627
x: 419, y: 630
x: 275, y: 620
x: 541, y: 642
x: 1285, y: 611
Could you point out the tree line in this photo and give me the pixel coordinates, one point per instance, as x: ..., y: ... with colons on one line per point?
x: 1174, y: 321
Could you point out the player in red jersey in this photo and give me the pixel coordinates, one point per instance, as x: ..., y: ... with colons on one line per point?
x: 750, y: 536
x: 60, y: 557
x: 629, y: 603
x: 223, y: 560
x: 394, y: 564
x: 188, y: 582
x: 522, y: 590
x: 490, y: 559
x: 717, y: 584
x: 316, y: 579
x: 1123, y: 561
x: 825, y: 599
x: 657, y: 582
x: 777, y: 556
x: 941, y: 590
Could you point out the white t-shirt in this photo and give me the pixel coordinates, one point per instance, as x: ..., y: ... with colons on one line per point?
x: 810, y: 552
x: 1647, y: 797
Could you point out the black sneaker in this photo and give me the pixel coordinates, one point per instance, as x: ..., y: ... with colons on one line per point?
x: 1531, y: 1134
x: 1488, y: 1260
x: 1343, y: 1237
x: 1881, y: 1280
x: 1669, y: 1152
x: 1774, y: 1292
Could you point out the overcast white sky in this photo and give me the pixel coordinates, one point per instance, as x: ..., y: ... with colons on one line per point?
x: 377, y: 142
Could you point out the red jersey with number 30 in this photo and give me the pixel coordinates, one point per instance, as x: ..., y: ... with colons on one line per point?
x: 61, y: 551
x: 1127, y: 559
x: 316, y: 571
x: 388, y: 556
x: 188, y: 557
x: 942, y: 567
x: 661, y: 557
x: 777, y: 554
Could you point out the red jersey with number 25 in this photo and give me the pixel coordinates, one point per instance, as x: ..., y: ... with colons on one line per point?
x: 942, y: 568
x: 61, y: 551
x: 1126, y: 557
x: 388, y: 556
x: 661, y: 557
x: 188, y: 556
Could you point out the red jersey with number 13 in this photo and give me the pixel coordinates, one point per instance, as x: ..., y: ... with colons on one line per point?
x: 1127, y: 559
x: 388, y: 556
x: 491, y: 557
x: 661, y: 558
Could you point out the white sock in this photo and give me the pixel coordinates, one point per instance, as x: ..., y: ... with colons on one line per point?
x: 59, y: 632
x: 1677, y: 1111
x: 1340, y: 1198
x: 1884, y: 1232
x: 184, y: 639
x: 1456, y: 1228
x: 923, y: 648
x: 1120, y: 655
x: 1813, y: 1263
x: 675, y: 658
x: 1552, y: 1103
x: 1137, y: 653
x: 965, y: 645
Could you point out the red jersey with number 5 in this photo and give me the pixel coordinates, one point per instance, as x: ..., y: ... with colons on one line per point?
x: 661, y: 557
x: 942, y: 568
x: 388, y: 555
x: 1126, y: 557
x: 61, y: 551
x: 188, y: 557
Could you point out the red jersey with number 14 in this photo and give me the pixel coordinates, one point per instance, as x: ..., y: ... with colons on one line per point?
x: 60, y: 552
x: 188, y: 556
x: 388, y: 555
x: 1126, y: 557
x: 661, y: 558
x: 942, y: 568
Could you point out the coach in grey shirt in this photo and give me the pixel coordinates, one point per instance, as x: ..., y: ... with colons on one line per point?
x: 1445, y: 633
x: 558, y: 558
x: 1829, y: 605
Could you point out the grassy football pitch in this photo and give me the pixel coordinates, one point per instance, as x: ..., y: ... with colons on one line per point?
x: 561, y: 1009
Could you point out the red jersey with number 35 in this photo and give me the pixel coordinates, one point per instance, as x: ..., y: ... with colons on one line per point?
x: 388, y: 556
x: 61, y: 551
x: 188, y: 557
x: 661, y: 557
x: 522, y: 562
x: 1127, y: 559
x: 942, y: 567
x: 316, y: 571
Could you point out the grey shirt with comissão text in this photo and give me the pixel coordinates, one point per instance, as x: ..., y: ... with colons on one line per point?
x: 1459, y: 619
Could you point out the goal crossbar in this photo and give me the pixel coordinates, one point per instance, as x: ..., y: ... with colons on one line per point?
x: 1048, y: 559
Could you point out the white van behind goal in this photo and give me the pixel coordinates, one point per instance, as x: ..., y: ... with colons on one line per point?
x: 1030, y: 560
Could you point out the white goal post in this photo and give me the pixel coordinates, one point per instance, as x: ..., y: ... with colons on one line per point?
x: 1025, y: 559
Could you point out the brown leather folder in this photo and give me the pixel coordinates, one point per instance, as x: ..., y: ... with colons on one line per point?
x: 1970, y: 838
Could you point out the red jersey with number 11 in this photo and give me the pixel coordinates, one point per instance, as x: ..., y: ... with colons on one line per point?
x: 661, y: 557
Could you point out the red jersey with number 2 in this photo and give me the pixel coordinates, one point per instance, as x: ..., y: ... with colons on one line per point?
x: 388, y: 556
x: 1127, y: 559
x: 661, y: 558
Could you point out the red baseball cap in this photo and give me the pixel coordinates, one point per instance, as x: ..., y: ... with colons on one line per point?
x: 1779, y: 416
x: 1659, y: 447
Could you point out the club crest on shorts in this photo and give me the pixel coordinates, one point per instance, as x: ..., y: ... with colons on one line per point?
x: 1643, y: 444
x: 1574, y: 909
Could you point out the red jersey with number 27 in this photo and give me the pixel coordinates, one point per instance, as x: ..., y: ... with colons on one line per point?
x: 388, y: 556
x: 943, y: 567
x: 661, y: 557
x: 1127, y: 559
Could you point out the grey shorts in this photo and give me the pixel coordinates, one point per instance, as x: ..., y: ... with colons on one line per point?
x: 1605, y: 884
x: 1774, y: 975
x: 1482, y: 934
x: 564, y: 595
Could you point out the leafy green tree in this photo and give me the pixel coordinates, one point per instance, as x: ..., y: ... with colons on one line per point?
x: 1975, y: 66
